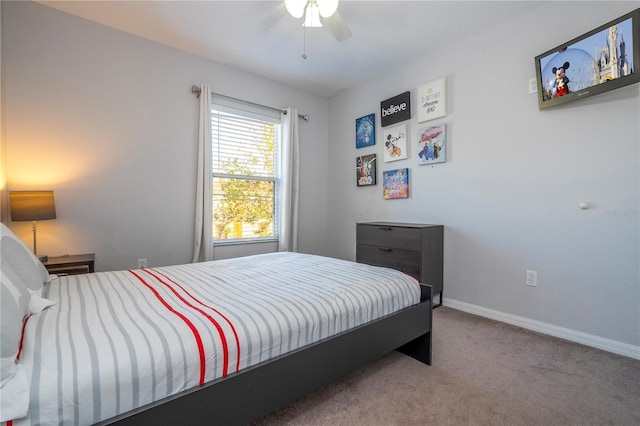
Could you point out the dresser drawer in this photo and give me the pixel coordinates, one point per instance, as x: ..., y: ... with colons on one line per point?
x: 407, y: 261
x: 389, y: 236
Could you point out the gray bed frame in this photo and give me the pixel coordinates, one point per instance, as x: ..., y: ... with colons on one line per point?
x: 243, y: 397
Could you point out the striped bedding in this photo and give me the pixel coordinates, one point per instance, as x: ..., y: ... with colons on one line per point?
x: 119, y: 340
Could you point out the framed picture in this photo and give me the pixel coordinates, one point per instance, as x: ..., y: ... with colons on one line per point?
x: 396, y: 109
x: 366, y: 131
x: 366, y: 170
x: 432, y: 144
x: 395, y: 184
x: 395, y: 143
x: 432, y: 100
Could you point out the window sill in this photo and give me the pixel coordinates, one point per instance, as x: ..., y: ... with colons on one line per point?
x: 234, y: 242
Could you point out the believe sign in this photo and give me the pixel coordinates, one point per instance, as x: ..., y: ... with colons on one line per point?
x: 396, y: 109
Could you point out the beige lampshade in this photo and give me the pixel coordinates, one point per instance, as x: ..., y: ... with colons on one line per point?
x: 32, y: 205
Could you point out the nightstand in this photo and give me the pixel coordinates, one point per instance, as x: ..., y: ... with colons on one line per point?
x: 70, y: 265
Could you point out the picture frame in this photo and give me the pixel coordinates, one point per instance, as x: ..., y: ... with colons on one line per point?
x: 432, y: 144
x: 432, y: 100
x: 395, y: 143
x: 395, y: 184
x: 395, y: 109
x: 366, y: 170
x: 365, y: 131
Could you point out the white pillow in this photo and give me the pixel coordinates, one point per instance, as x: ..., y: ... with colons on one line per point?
x: 14, y: 305
x: 37, y: 303
x: 14, y: 397
x: 14, y: 253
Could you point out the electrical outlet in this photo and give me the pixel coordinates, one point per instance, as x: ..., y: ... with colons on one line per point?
x: 142, y: 263
x: 533, y: 86
x: 531, y: 278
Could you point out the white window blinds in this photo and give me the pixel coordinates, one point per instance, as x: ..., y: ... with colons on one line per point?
x: 245, y: 149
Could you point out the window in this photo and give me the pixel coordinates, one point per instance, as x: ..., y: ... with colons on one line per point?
x: 245, y: 183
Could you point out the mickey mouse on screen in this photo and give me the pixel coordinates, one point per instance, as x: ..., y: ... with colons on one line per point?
x: 561, y: 84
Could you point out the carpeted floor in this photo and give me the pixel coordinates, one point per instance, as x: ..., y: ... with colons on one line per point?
x: 484, y: 372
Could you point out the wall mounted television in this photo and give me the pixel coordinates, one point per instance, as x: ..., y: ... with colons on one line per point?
x: 603, y: 59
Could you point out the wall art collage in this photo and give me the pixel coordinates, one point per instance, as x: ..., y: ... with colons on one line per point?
x: 429, y: 142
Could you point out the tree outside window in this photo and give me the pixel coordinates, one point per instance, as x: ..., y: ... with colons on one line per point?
x: 244, y: 177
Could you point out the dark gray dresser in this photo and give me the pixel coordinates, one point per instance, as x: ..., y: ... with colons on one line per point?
x: 413, y: 248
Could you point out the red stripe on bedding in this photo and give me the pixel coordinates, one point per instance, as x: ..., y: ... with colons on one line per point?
x: 223, y: 337
x: 235, y: 334
x: 196, y: 334
x: 24, y: 325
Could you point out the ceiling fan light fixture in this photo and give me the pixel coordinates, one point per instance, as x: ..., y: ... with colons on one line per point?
x: 312, y: 15
x: 327, y: 7
x: 295, y: 7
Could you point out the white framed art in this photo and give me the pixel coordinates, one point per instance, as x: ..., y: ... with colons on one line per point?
x: 432, y: 144
x: 432, y: 100
x: 395, y: 143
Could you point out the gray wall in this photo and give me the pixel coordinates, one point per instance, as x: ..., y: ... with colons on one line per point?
x: 508, y: 194
x: 108, y: 121
x: 3, y: 145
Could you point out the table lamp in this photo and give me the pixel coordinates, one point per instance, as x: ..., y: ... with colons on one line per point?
x: 33, y: 206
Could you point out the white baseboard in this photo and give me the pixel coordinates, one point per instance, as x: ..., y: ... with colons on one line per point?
x: 608, y: 345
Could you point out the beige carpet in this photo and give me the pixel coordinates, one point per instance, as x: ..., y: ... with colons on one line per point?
x: 484, y: 372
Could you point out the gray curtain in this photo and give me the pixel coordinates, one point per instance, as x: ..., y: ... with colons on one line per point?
x: 203, y: 242
x: 289, y: 181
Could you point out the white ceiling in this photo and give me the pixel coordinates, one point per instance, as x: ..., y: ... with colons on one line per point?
x: 386, y: 34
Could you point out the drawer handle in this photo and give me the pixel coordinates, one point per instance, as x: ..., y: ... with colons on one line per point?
x: 385, y: 229
x: 385, y: 249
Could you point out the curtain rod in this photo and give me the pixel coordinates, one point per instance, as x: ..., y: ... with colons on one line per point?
x: 197, y: 90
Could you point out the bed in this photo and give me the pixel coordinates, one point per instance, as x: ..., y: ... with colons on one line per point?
x: 221, y: 342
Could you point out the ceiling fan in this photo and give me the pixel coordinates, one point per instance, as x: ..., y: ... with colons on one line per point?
x: 315, y: 13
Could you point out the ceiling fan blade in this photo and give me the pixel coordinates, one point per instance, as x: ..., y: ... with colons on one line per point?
x: 272, y: 17
x: 338, y: 26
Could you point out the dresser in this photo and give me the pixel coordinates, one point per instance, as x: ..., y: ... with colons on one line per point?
x: 413, y: 248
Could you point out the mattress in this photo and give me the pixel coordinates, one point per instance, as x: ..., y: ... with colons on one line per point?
x: 119, y: 340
